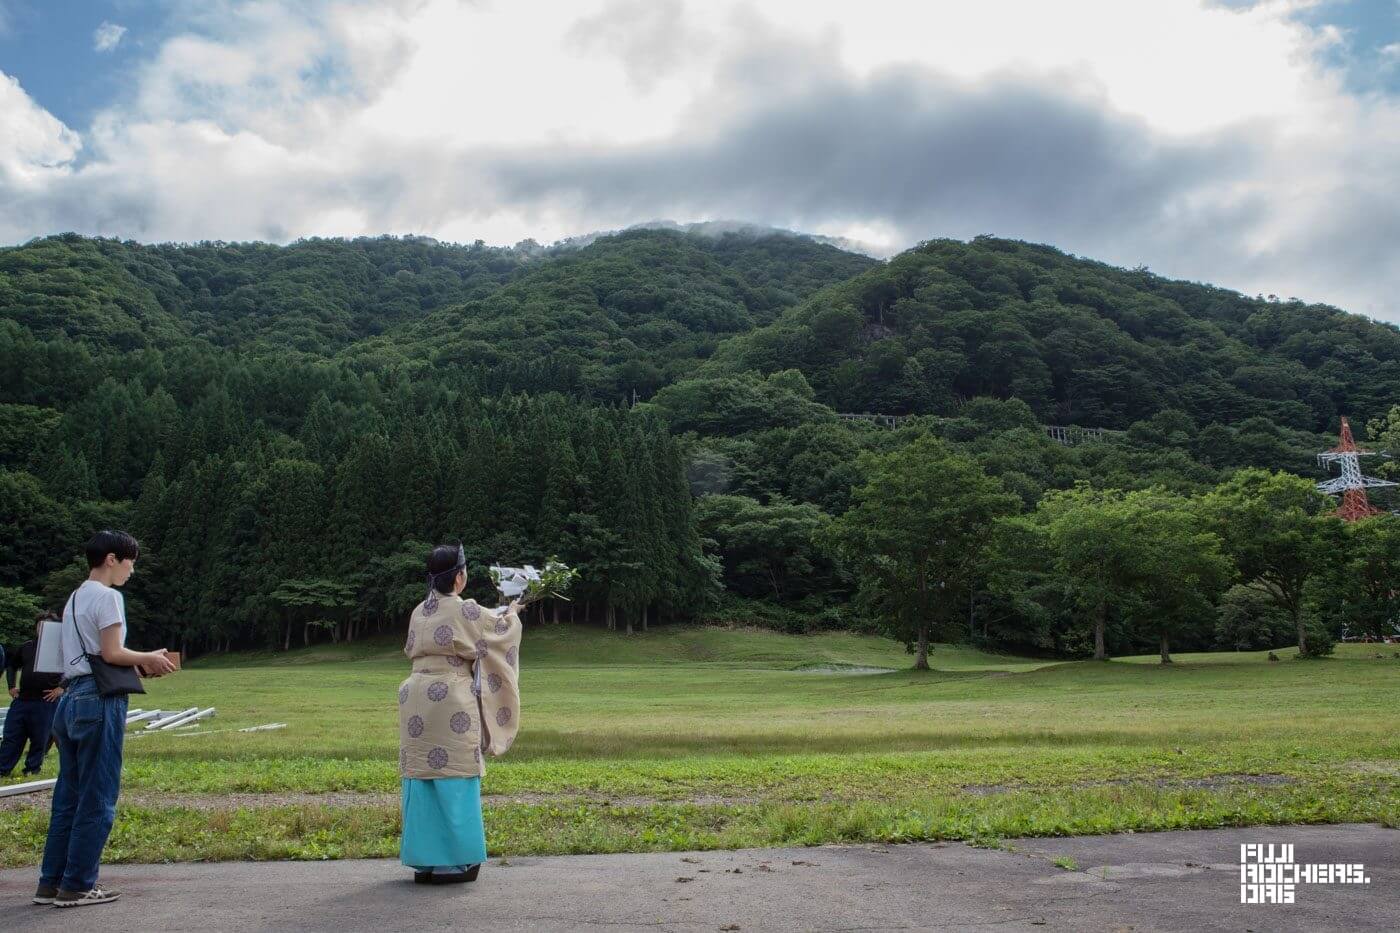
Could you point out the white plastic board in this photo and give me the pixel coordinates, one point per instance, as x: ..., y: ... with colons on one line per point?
x: 48, y: 654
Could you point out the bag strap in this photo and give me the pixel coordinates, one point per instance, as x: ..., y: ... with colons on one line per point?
x: 78, y: 630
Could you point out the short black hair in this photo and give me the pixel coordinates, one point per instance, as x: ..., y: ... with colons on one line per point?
x: 444, y: 559
x: 111, y: 542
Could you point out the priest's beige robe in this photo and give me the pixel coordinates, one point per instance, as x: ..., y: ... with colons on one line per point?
x: 462, y: 700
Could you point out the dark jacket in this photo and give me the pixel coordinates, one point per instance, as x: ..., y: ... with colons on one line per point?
x: 31, y: 684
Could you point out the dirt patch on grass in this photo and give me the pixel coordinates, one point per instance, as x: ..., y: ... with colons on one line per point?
x: 841, y: 669
x: 338, y: 799
x: 157, y: 801
x: 1391, y: 766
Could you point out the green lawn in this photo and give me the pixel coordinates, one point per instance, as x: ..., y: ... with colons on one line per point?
x: 681, y: 739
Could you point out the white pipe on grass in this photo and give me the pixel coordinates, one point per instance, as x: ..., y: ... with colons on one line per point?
x: 29, y: 787
x: 186, y: 720
x: 142, y: 716
x: 167, y: 720
x: 267, y: 728
x: 177, y: 721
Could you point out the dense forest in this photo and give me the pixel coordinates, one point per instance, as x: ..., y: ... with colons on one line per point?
x: 287, y: 430
x: 1079, y: 342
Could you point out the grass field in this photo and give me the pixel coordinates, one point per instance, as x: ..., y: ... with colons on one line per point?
x: 693, y: 739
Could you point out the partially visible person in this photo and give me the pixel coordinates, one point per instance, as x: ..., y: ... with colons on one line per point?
x: 90, y: 727
x: 33, y: 701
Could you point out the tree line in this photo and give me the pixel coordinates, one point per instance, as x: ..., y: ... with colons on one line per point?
x: 255, y: 537
x: 942, y: 550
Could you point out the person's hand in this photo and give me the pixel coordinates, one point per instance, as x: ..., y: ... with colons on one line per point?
x: 14, y: 692
x: 51, y: 696
x: 514, y: 607
x: 157, y: 663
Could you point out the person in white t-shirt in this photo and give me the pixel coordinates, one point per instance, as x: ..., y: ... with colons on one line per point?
x: 90, y: 727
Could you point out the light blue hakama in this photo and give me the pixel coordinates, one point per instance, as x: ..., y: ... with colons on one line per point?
x: 442, y: 823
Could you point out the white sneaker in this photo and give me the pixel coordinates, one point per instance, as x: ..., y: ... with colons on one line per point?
x: 98, y: 895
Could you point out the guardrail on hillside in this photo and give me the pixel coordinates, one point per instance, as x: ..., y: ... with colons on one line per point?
x: 884, y: 421
x: 1069, y: 435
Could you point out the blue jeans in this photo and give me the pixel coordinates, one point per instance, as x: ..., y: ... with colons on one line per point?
x: 90, y: 729
x: 27, y: 719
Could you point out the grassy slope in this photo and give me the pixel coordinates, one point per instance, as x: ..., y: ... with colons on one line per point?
x: 572, y: 646
x: 696, y: 738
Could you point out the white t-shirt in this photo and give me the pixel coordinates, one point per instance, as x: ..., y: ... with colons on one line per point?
x: 97, y: 606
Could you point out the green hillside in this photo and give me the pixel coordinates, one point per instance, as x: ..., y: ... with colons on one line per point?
x: 577, y: 646
x: 1079, y: 341
x: 320, y: 296
x: 630, y: 312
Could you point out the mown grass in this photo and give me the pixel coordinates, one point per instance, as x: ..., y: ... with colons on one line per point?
x: 708, y: 738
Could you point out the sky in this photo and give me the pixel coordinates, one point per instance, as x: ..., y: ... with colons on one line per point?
x: 1254, y: 145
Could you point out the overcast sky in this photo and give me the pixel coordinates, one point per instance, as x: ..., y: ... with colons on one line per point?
x: 1252, y: 145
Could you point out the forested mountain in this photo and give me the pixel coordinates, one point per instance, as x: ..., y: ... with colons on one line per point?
x: 316, y: 296
x: 249, y: 410
x: 320, y: 296
x: 631, y: 312
x: 287, y: 428
x: 1078, y: 341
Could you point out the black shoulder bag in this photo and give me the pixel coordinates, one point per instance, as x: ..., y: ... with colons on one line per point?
x: 113, y: 680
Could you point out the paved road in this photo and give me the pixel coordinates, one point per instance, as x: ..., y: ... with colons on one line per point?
x: 1151, y: 881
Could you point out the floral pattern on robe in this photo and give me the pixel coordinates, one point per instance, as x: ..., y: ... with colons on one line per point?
x: 462, y: 700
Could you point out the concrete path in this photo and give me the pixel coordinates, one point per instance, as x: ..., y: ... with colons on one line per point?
x: 1154, y: 881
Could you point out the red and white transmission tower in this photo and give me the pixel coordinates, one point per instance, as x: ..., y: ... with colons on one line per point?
x: 1351, y: 484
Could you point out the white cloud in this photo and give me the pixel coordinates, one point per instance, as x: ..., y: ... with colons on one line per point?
x: 1207, y: 142
x: 106, y: 37
x: 35, y: 147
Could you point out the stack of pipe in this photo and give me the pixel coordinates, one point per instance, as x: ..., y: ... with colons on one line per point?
x: 170, y: 718
x: 184, y: 718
